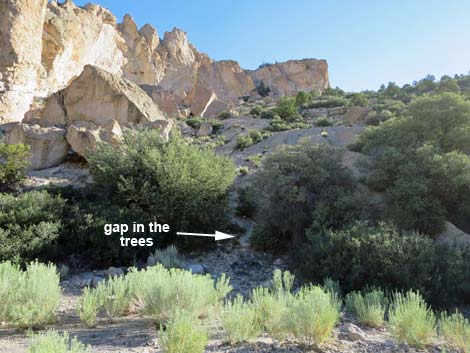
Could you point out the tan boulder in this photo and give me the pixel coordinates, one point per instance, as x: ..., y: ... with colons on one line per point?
x: 355, y: 115
x: 205, y: 130
x: 84, y: 136
x: 98, y: 96
x: 48, y: 144
x: 163, y: 126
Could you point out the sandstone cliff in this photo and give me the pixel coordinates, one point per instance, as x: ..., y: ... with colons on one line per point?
x: 44, y: 46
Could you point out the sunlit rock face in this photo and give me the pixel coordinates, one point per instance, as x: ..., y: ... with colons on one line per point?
x: 44, y: 46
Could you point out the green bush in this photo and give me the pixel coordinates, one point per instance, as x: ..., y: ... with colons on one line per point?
x: 29, y: 223
x: 34, y: 296
x: 279, y: 124
x: 411, y: 321
x: 168, y: 257
x: 323, y: 122
x: 421, y: 160
x: 9, y: 279
x: 88, y: 307
x: 299, y: 187
x: 251, y: 138
x: 196, y: 123
x: 456, y: 330
x: 359, y: 99
x: 267, y: 114
x: 13, y: 164
x: 361, y: 255
x: 287, y: 109
x: 183, y: 334
x: 114, y: 297
x: 256, y: 111
x: 171, y: 181
x: 329, y: 102
x: 312, y: 316
x: 263, y: 90
x: 163, y: 292
x: 54, y: 342
x: 225, y: 115
x: 369, y: 307
x: 302, y: 99
x: 240, y: 321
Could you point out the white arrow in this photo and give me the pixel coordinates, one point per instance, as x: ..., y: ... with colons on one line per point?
x: 218, y: 235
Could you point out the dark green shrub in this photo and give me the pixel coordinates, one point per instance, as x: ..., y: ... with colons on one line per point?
x: 302, y: 99
x: 246, y: 202
x: 298, y: 187
x: 279, y: 124
x: 267, y: 114
x: 263, y: 90
x: 329, y: 102
x: 29, y: 223
x: 172, y: 181
x: 256, y: 111
x: 13, y: 164
x: 359, y: 99
x: 252, y: 137
x: 196, y: 123
x: 225, y: 115
x: 323, y: 122
x: 286, y: 108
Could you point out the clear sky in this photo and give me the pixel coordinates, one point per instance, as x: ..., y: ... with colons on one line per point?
x: 366, y: 42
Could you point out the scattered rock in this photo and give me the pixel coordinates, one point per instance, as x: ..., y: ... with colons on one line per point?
x: 48, y: 145
x: 351, y: 332
x: 197, y: 269
x: 205, y: 130
x: 356, y: 115
x: 84, y: 136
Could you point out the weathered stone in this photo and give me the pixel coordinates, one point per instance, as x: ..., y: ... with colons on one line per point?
x: 48, y: 145
x: 98, y: 96
x: 351, y: 332
x: 196, y: 269
x: 453, y: 235
x: 163, y: 126
x: 21, y: 26
x: 205, y: 130
x: 84, y: 136
x: 356, y: 115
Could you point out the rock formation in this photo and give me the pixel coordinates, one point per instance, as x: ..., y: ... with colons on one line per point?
x: 44, y: 46
x: 93, y: 109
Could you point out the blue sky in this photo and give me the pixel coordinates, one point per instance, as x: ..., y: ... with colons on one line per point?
x: 365, y: 42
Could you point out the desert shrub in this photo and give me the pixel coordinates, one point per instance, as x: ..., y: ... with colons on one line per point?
x: 312, y: 315
x: 173, y: 181
x: 114, y: 296
x: 35, y: 297
x: 165, y: 291
x: 421, y: 160
x: 246, y: 205
x: 272, y: 304
x: 183, y: 334
x: 13, y: 164
x: 88, y: 307
x: 455, y: 329
x: 29, y: 223
x: 263, y: 90
x: 279, y: 124
x: 323, y: 122
x: 168, y: 257
x: 329, y: 102
x: 251, y: 138
x: 359, y: 99
x: 333, y: 287
x: 360, y: 255
x: 9, y: 278
x: 298, y: 187
x: 225, y: 115
x: 287, y: 109
x: 411, y: 321
x: 369, y: 307
x: 302, y: 99
x: 256, y: 111
x: 239, y: 320
x: 54, y: 342
x: 267, y: 114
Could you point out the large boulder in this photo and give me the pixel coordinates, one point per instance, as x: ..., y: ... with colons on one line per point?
x: 97, y: 96
x: 84, y: 136
x: 453, y: 235
x: 48, y: 144
x: 356, y: 115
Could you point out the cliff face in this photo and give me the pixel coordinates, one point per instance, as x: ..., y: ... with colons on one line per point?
x: 44, y: 46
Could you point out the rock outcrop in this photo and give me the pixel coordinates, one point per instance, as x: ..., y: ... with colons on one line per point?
x: 93, y: 109
x: 98, y: 96
x: 44, y: 46
x: 48, y: 144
